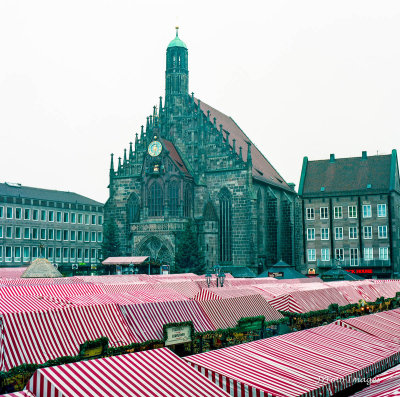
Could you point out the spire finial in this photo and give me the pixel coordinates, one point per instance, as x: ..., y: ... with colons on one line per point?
x: 177, y: 29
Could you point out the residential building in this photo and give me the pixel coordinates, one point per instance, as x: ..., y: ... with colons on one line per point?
x: 64, y: 227
x: 351, y: 214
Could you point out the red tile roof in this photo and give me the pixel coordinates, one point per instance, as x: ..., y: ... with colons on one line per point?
x: 348, y: 175
x: 262, y: 169
x: 176, y: 158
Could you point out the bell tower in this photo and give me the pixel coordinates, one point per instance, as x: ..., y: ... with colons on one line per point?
x: 177, y: 73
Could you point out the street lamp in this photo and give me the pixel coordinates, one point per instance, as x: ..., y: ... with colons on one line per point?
x: 221, y: 278
x: 208, y: 278
x: 220, y: 275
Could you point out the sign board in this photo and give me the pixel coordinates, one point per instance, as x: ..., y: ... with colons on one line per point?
x: 164, y: 269
x: 275, y: 274
x: 93, y: 349
x: 359, y: 271
x: 250, y: 324
x: 177, y: 335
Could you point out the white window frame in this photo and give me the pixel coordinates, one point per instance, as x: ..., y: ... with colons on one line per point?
x: 50, y: 218
x: 59, y: 217
x: 340, y: 251
x: 93, y: 240
x: 8, y: 258
x: 45, y: 215
x: 59, y: 234
x: 338, y: 212
x: 1, y: 211
x: 45, y: 234
x: 33, y: 234
x: 72, y: 235
x: 17, y: 258
x: 337, y: 236
x: 20, y: 233
x: 73, y: 217
x: 311, y: 255
x: 325, y: 211
x: 20, y: 212
x: 367, y: 211
x: 12, y: 213
x: 310, y: 213
x: 310, y: 234
x: 93, y: 216
x: 384, y: 253
x: 380, y: 230
x: 27, y: 211
x: 324, y: 236
x: 28, y: 257
x: 52, y: 234
x: 1, y: 231
x: 66, y: 217
x: 368, y: 253
x: 35, y: 211
x: 379, y: 211
x: 353, y: 213
x: 99, y: 237
x: 325, y: 254
x: 355, y: 236
x: 7, y: 229
x: 369, y: 235
x: 29, y: 235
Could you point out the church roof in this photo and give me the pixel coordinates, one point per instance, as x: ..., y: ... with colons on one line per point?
x: 177, y: 42
x: 175, y: 156
x: 20, y: 191
x: 262, y: 168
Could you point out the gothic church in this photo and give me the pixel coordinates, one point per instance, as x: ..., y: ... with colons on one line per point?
x: 192, y: 161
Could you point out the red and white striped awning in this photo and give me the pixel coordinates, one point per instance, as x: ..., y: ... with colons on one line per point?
x: 149, y: 373
x: 124, y: 260
x: 24, y: 393
x: 35, y: 337
x: 319, y: 361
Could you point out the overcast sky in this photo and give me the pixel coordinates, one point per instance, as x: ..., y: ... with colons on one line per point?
x: 301, y: 78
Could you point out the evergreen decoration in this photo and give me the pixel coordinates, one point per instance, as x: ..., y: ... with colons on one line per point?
x: 188, y: 258
x: 111, y: 245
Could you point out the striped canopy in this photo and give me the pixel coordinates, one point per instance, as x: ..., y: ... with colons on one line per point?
x: 149, y: 373
x: 50, y: 290
x: 319, y: 361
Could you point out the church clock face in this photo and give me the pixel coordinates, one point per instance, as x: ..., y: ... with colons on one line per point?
x: 154, y: 148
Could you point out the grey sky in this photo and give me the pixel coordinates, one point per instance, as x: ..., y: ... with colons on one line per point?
x: 78, y: 78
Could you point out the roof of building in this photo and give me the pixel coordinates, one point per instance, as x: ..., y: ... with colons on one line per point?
x: 41, y: 268
x: 175, y: 156
x: 340, y: 274
x: 239, y: 271
x: 369, y: 174
x: 17, y: 190
x: 262, y: 168
x: 177, y: 42
x: 287, y: 270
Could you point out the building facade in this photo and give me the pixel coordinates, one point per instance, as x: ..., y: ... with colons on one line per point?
x: 192, y: 161
x: 351, y: 214
x: 64, y: 227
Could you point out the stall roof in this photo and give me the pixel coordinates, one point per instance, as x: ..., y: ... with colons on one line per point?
x: 124, y: 260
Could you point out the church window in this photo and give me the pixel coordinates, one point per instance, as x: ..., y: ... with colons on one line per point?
x: 260, y: 228
x: 187, y: 208
x: 225, y: 226
x: 133, y: 209
x: 173, y: 198
x: 155, y: 200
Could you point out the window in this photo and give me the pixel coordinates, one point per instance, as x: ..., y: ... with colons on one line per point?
x: 187, y: 202
x: 18, y: 213
x: 384, y: 253
x: 133, y: 209
x: 73, y: 235
x: 35, y: 215
x: 324, y: 233
x: 338, y: 233
x: 93, y: 219
x: 338, y: 212
x: 51, y: 216
x: 9, y: 232
x: 65, y: 254
x: 8, y: 254
x: 58, y: 216
x: 27, y: 214
x: 87, y: 218
x: 9, y: 214
x: 43, y: 215
x: 368, y: 254
x: 66, y: 217
x: 27, y: 254
x: 65, y: 235
x: 352, y: 233
x: 323, y: 211
x: 1, y: 212
x: 93, y: 237
x: 18, y: 232
x: 225, y: 226
x: 73, y: 217
x: 310, y: 214
x: 72, y: 253
x: 58, y: 235
x: 339, y: 254
x: 155, y: 199
x: 93, y: 255
x: 381, y: 210
x: 79, y: 254
x: 35, y: 233
x: 367, y: 213
x: 35, y: 251
x: 100, y: 219
x: 86, y: 237
x: 310, y: 234
x: 382, y: 231
x: 86, y: 255
x: 58, y: 254
x: 352, y: 211
x: 17, y: 254
x: 27, y: 233
x: 1, y: 231
x: 80, y: 234
x: 311, y: 255
x: 325, y: 254
x: 43, y: 234
x: 1, y: 252
x: 353, y: 256
x: 100, y: 237
x: 50, y: 252
x: 80, y: 218
x: 50, y: 234
x: 367, y: 232
x: 173, y: 198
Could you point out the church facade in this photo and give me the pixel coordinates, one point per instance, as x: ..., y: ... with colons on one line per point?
x: 191, y: 161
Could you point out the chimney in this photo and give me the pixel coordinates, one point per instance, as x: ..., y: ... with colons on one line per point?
x: 332, y: 158
x: 364, y: 155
